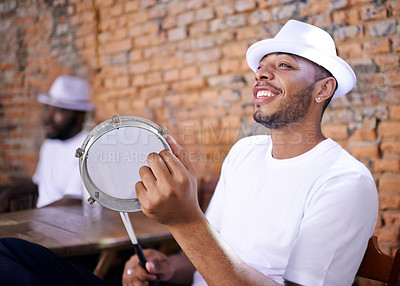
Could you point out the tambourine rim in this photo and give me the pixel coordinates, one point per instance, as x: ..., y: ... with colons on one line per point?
x: 117, y: 204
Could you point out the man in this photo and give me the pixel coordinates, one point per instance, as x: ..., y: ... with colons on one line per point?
x: 292, y: 208
x: 57, y: 178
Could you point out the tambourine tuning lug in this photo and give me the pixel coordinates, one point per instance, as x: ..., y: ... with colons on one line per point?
x: 79, y: 153
x: 115, y: 118
x: 91, y: 200
x: 164, y: 132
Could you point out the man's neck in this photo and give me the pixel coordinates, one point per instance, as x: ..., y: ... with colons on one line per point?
x: 293, y: 140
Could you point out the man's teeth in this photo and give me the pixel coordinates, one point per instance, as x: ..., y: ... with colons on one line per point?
x: 264, y: 93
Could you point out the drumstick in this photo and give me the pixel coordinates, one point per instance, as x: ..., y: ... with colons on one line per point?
x: 136, y: 246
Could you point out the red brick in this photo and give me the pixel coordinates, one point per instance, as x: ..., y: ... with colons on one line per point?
x: 191, y: 84
x: 115, y: 10
x: 395, y: 7
x: 389, y: 184
x: 209, y: 95
x: 391, y: 218
x: 263, y: 4
x: 371, y: 80
x: 389, y: 129
x: 153, y: 78
x: 234, y: 50
x: 394, y: 78
x: 176, y: 34
x: 394, y: 112
x: 390, y: 147
x: 230, y: 66
x: 373, y: 12
x: 361, y: 135
x: 206, y: 13
x: 191, y: 100
x: 349, y: 17
x: 246, y: 33
x: 169, y: 23
x: 208, y: 69
x: 186, y: 18
x: 387, y: 234
x: 158, y: 11
x: 130, y: 6
x: 122, y: 81
x: 189, y: 72
x: 389, y: 202
x: 364, y: 151
x: 396, y: 43
x: 197, y: 29
x: 225, y: 9
x: 351, y: 50
x: 335, y: 131
x: 245, y: 5
x: 392, y: 96
x: 377, y: 46
x: 118, y: 46
x: 387, y: 165
x: 171, y: 75
x: 387, y: 62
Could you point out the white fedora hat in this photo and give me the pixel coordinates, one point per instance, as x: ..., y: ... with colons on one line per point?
x: 309, y: 42
x: 68, y: 92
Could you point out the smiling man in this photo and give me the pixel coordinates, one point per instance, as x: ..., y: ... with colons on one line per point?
x: 293, y: 208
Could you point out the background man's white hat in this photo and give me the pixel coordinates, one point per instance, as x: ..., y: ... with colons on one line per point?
x: 309, y: 42
x: 68, y: 92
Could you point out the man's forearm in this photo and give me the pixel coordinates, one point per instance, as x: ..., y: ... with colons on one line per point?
x: 215, y: 261
x: 184, y: 269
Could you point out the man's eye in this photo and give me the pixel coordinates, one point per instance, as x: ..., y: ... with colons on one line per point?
x: 285, y: 65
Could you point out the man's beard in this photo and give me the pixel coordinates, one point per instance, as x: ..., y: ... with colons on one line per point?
x: 289, y: 111
x: 66, y: 130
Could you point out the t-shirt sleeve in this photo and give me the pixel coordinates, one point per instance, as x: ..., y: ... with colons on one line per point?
x: 338, y: 220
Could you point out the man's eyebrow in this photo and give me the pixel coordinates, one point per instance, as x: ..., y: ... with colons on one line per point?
x: 288, y: 54
x: 280, y: 54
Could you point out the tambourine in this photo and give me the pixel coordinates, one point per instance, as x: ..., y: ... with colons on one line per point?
x: 111, y: 156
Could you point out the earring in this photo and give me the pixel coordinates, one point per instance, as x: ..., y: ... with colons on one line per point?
x: 318, y: 98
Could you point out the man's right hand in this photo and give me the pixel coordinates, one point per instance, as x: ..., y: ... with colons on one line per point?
x: 158, y: 267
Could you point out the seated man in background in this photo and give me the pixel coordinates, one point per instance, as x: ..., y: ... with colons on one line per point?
x: 57, y: 179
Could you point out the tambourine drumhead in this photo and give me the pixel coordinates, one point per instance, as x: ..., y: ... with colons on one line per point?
x: 111, y: 156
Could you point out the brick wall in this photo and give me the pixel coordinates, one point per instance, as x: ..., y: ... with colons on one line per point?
x: 181, y: 64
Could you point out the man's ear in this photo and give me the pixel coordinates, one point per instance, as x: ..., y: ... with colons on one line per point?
x: 324, y: 89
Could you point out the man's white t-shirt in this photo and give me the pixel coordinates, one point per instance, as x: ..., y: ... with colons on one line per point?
x: 57, y: 173
x: 306, y: 219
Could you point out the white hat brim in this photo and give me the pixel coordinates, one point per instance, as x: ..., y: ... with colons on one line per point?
x: 342, y: 72
x: 46, y: 99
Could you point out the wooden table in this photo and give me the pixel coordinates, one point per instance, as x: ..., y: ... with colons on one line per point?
x: 67, y: 232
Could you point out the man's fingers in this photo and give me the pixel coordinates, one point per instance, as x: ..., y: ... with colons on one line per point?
x: 180, y: 153
x: 158, y: 166
x: 148, y: 177
x: 134, y: 274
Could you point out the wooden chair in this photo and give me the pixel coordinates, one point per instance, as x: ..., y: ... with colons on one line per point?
x: 379, y: 266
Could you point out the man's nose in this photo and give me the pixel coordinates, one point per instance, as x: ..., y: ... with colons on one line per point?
x: 263, y: 73
x: 48, y: 113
